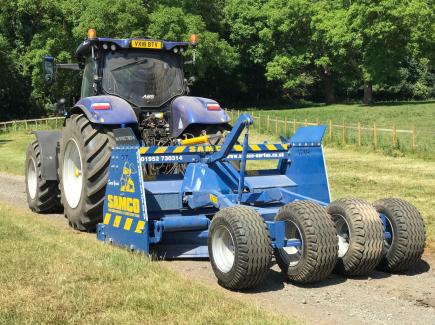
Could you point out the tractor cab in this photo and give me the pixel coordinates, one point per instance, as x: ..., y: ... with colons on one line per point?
x: 140, y: 82
x: 146, y: 73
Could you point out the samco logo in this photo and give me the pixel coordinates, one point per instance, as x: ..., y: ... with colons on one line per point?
x: 123, y: 203
x: 127, y: 184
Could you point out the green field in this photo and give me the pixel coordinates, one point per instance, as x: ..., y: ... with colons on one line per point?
x: 53, y: 275
x: 404, y: 116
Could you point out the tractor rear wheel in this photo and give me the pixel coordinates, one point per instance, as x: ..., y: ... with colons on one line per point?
x: 406, y: 245
x: 360, y: 235
x: 315, y: 258
x: 85, y: 151
x: 42, y: 195
x: 239, y: 247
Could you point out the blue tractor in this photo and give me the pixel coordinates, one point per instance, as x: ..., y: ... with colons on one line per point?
x: 137, y: 83
x: 159, y: 172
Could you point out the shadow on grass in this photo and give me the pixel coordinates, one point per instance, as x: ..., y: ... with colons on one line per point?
x: 399, y: 103
x: 3, y: 142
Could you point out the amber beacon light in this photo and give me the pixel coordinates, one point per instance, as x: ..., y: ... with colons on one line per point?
x: 193, y: 39
x: 92, y: 33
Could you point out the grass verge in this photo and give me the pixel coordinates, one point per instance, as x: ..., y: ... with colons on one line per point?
x: 13, y: 151
x: 51, y: 275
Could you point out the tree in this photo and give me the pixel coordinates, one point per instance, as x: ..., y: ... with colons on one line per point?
x: 379, y: 38
x: 304, y: 54
x: 245, y: 20
x: 215, y: 58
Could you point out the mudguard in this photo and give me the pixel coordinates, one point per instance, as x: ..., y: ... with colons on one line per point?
x: 48, y: 141
x: 120, y: 111
x: 187, y: 110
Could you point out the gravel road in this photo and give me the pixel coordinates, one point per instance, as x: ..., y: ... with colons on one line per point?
x: 380, y: 298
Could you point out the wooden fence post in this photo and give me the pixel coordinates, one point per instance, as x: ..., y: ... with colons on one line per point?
x: 344, y: 132
x: 414, y: 137
x: 359, y: 134
x: 375, y: 136
x: 285, y: 126
x: 394, y: 136
x: 294, y: 126
x: 330, y: 130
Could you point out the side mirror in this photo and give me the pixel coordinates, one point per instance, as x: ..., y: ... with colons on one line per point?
x: 191, y: 80
x: 60, y: 106
x: 48, y: 69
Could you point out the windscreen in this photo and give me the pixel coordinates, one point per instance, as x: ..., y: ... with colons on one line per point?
x: 144, y: 78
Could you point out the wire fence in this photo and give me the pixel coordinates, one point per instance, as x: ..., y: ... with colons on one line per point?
x: 33, y: 124
x: 391, y: 140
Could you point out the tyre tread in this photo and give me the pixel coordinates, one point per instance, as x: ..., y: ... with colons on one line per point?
x: 320, y: 241
x: 365, y: 250
x: 410, y: 237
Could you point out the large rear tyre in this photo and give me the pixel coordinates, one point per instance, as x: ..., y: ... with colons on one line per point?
x: 42, y: 195
x: 406, y: 245
x: 315, y: 259
x: 239, y: 247
x: 85, y: 151
x: 360, y: 235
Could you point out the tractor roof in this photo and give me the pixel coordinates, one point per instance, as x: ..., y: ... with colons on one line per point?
x: 84, y: 48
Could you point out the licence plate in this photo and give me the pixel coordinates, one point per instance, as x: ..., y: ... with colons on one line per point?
x: 140, y: 44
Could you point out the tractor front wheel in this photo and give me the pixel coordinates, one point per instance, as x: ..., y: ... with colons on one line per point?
x: 239, y: 247
x: 85, y: 151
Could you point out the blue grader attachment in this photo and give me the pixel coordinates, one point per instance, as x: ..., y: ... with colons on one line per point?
x: 238, y: 218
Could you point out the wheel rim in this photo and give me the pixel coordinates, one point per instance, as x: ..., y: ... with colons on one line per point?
x: 72, y: 173
x: 387, y: 228
x: 32, y: 178
x: 343, y: 234
x: 223, y: 249
x: 292, y: 255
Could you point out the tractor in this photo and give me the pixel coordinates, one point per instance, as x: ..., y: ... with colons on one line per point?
x: 156, y: 171
x: 137, y: 83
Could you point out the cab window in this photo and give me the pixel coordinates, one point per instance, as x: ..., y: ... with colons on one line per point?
x: 88, y: 76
